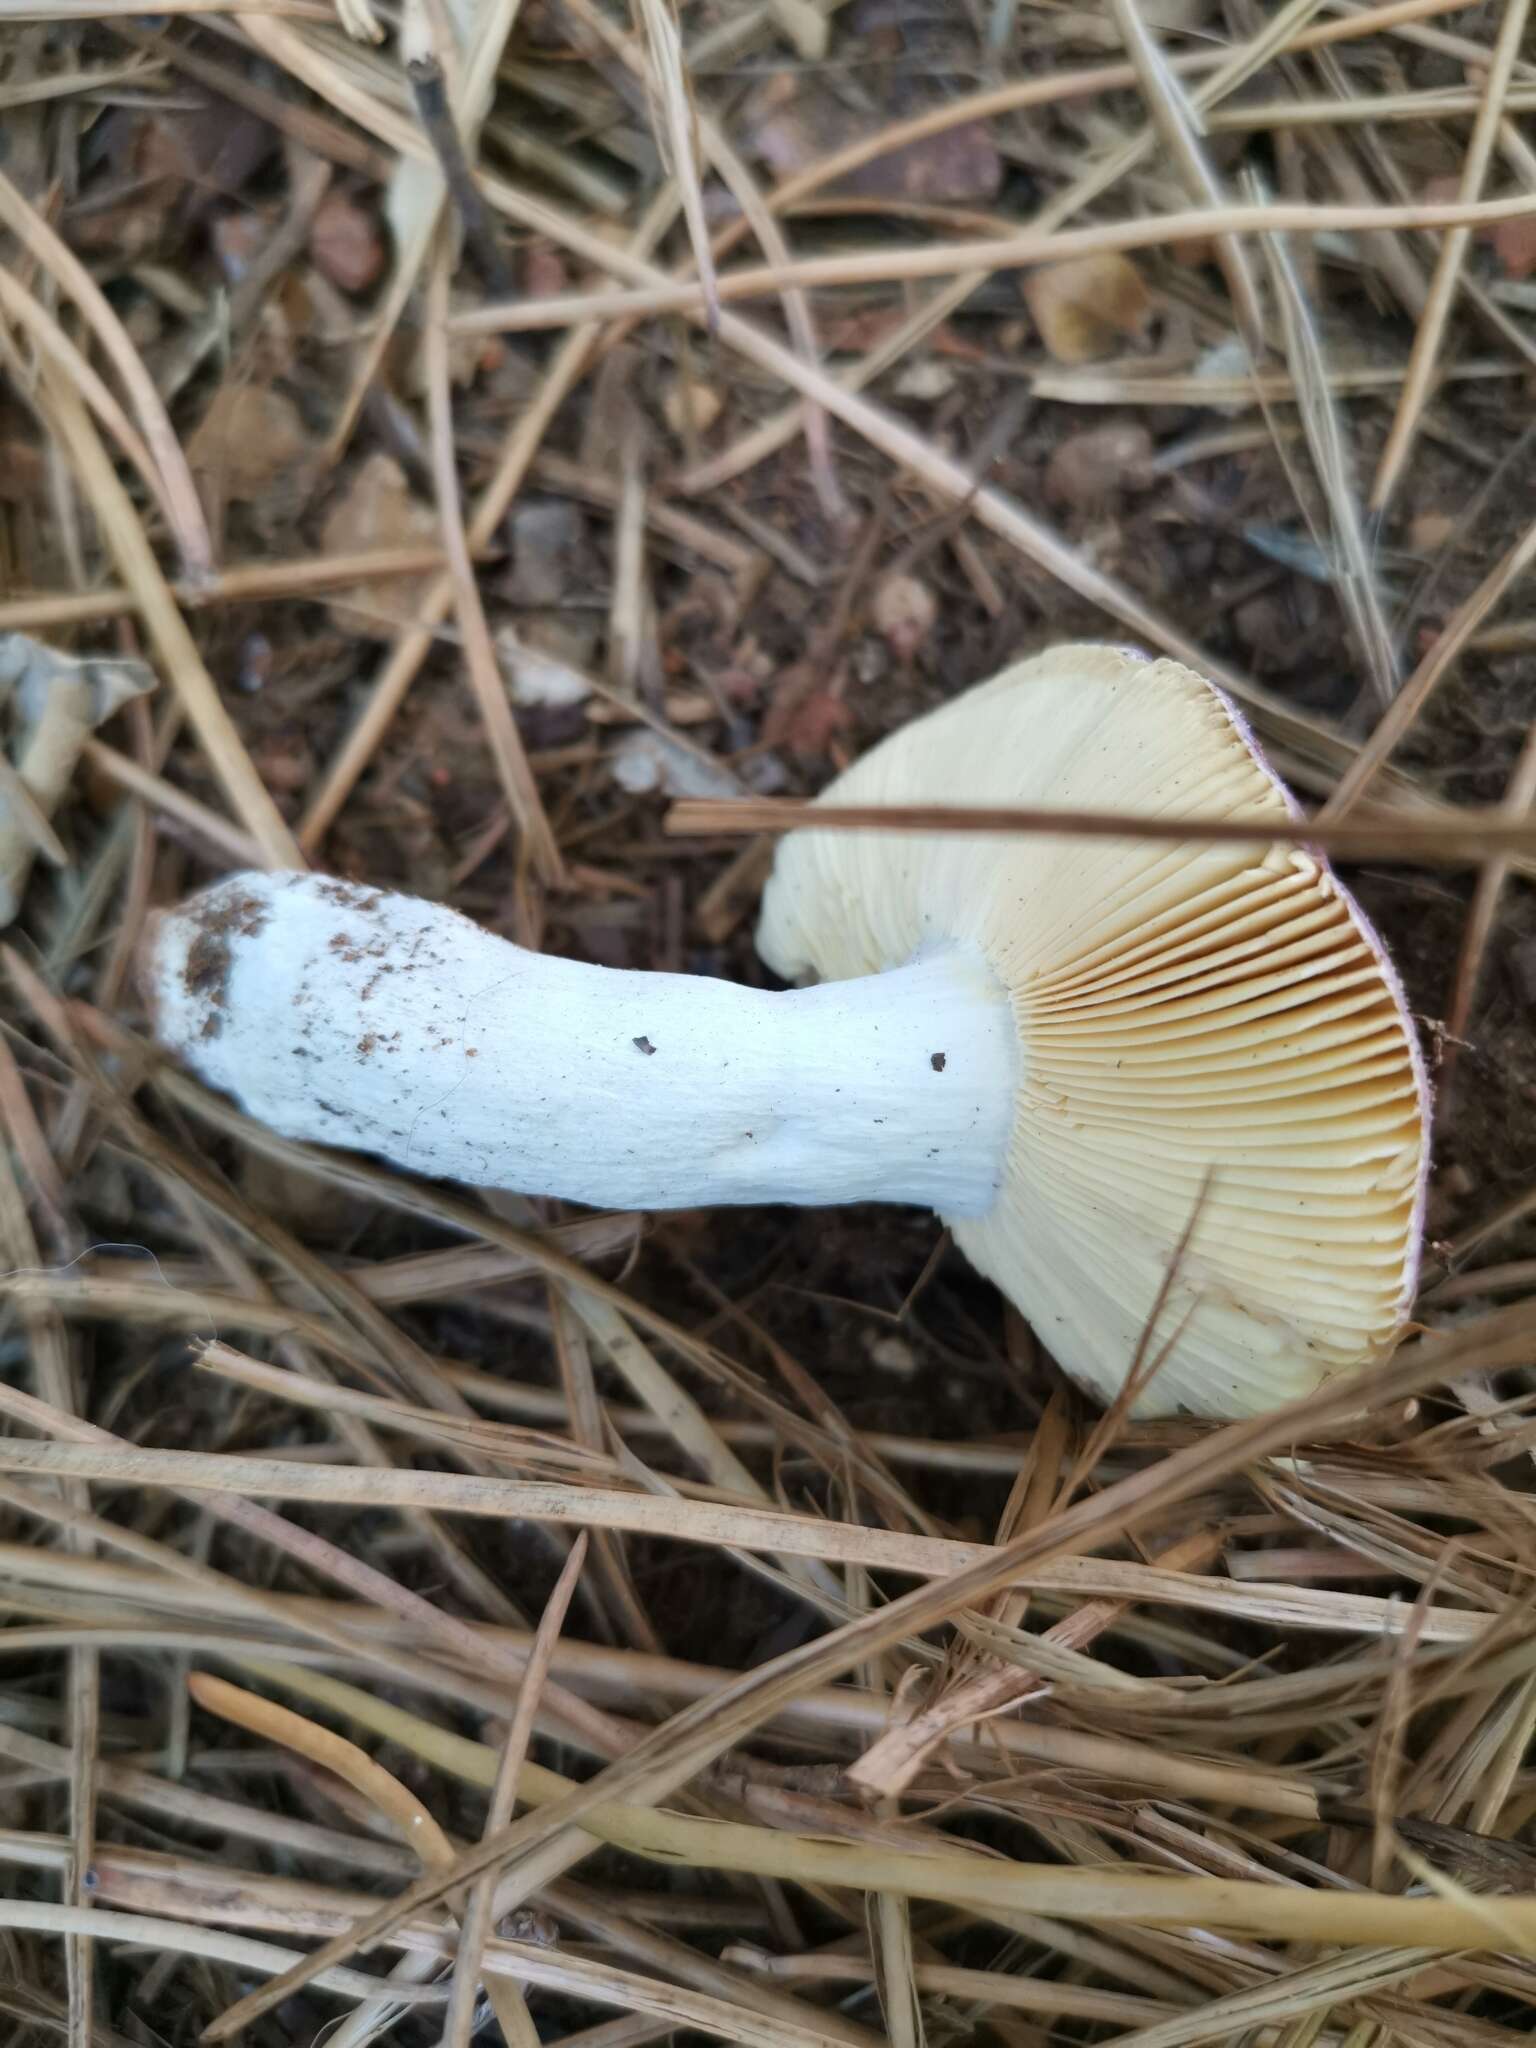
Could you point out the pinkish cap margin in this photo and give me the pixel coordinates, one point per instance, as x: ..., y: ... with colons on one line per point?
x: 1389, y: 975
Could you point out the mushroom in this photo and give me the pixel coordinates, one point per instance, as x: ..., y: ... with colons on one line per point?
x: 1139, y: 1079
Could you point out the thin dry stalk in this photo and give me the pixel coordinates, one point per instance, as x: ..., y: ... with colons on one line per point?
x: 1483, y: 910
x: 584, y: 1414
x: 1286, y: 31
x: 1354, y: 578
x: 54, y: 1369
x: 427, y: 1623
x: 1430, y: 332
x: 218, y: 837
x: 183, y: 665
x: 1122, y: 387
x: 846, y: 1714
x: 326, y: 138
x: 175, y: 489
x: 723, y: 1524
x: 177, y: 1938
x: 985, y: 254
x: 240, y: 585
x: 498, y: 1441
x: 485, y: 678
x: 1455, y: 837
x: 889, y: 1766
x: 669, y: 524
x: 411, y: 649
x: 1173, y: 119
x: 755, y: 211
x: 1410, y: 701
x: 677, y: 134
x: 670, y: 1755
x: 400, y: 1807
x: 479, y: 1913
x: 982, y: 1987
x: 947, y: 478
x: 51, y: 340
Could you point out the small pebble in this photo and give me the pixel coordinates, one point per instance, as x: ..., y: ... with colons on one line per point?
x: 903, y: 612
x: 1087, y: 470
x: 893, y: 1355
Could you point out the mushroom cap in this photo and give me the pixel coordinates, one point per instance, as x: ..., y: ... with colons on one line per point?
x: 1213, y: 1044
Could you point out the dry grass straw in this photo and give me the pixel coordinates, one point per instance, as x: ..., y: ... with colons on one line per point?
x: 488, y: 686
x: 1485, y: 905
x: 479, y: 1915
x: 677, y: 130
x: 984, y: 255
x: 660, y: 1762
x: 165, y: 466
x: 948, y: 480
x: 174, y: 646
x: 1456, y: 837
x: 401, y: 1808
x: 1354, y: 576
x: 1438, y: 663
x: 1430, y: 334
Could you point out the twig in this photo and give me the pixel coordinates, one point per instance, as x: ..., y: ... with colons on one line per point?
x: 724, y: 1524
x: 177, y: 488
x: 244, y: 583
x: 1406, y: 708
x: 411, y: 649
x: 441, y: 130
x: 677, y: 132
x: 1454, y: 838
x: 490, y: 692
x: 989, y: 253
x: 183, y: 665
x: 1518, y: 801
x: 1332, y: 460
x: 479, y: 1912
x: 1448, y: 266
x: 1173, y: 119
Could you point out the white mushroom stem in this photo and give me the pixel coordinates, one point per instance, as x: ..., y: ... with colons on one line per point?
x: 354, y: 1017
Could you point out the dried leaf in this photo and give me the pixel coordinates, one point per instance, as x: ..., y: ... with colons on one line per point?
x: 690, y: 406
x: 378, y: 511
x: 957, y: 165
x: 346, y: 243
x: 960, y: 164
x: 1086, y: 307
x: 55, y: 703
x: 250, y: 438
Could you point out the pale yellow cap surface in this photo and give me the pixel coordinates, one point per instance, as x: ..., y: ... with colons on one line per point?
x: 1193, y: 1020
